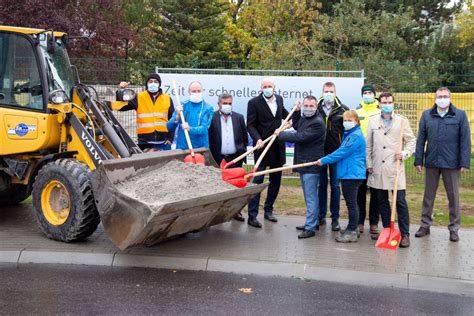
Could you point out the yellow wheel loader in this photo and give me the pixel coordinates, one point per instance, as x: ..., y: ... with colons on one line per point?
x: 59, y: 143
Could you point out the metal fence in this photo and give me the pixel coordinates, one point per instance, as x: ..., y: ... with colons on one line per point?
x: 106, y: 74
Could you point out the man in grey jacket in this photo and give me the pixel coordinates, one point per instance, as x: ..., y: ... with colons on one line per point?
x: 446, y: 131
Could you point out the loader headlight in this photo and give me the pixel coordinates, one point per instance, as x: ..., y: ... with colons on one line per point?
x: 125, y: 95
x: 58, y: 97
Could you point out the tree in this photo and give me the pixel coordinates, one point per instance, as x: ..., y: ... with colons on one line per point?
x: 96, y: 19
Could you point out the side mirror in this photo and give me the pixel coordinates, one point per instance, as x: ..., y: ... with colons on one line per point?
x: 125, y: 95
x: 36, y: 90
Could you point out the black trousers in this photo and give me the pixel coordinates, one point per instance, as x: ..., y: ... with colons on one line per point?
x: 272, y: 192
x: 373, y: 206
x: 402, y: 210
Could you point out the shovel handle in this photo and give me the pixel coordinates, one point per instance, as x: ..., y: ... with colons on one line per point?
x: 264, y: 172
x: 273, y: 137
x: 248, y: 152
x: 181, y: 116
x: 397, y: 174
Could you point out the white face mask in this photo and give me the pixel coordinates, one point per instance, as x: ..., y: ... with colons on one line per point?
x: 226, y: 108
x: 195, y: 97
x: 349, y: 125
x: 443, y: 103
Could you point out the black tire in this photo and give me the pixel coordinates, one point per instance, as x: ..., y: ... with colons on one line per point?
x: 14, y: 195
x: 83, y: 218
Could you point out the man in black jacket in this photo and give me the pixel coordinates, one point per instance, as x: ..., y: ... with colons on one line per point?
x: 308, y: 140
x: 228, y: 136
x: 264, y: 115
x: 331, y: 110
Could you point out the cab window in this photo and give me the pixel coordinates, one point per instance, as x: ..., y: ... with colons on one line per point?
x: 20, y: 84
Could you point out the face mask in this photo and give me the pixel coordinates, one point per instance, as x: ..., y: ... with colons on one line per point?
x: 368, y: 99
x: 349, y: 125
x: 226, y: 108
x: 308, y: 112
x: 153, y: 87
x: 387, y: 108
x: 443, y: 103
x: 195, y: 97
x: 268, y: 92
x: 328, y: 97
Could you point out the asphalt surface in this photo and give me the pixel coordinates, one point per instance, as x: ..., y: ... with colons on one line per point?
x: 49, y: 289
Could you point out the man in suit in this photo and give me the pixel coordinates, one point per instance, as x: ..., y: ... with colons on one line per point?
x: 228, y: 137
x: 264, y: 115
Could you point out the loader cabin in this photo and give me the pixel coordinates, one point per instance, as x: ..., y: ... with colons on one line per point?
x: 34, y: 71
x: 33, y: 63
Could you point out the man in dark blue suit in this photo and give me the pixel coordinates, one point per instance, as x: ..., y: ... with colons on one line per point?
x: 264, y: 115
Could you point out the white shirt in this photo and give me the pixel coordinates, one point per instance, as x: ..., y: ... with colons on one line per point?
x: 272, y: 104
x: 227, y: 136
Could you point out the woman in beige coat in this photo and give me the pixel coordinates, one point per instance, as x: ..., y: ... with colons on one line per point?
x: 383, y: 134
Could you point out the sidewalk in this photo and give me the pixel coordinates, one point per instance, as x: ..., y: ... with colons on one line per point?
x: 432, y: 263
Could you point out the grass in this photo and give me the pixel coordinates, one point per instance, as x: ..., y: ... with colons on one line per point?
x: 291, y: 202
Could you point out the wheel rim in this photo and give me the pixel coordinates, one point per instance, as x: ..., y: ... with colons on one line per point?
x: 55, y: 203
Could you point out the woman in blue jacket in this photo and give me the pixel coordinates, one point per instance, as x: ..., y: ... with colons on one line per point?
x: 350, y: 159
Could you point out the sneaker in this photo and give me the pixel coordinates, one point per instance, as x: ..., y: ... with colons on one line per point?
x: 343, y: 231
x: 348, y: 236
x: 422, y: 232
x: 453, y: 236
x: 335, y: 225
x: 405, y: 242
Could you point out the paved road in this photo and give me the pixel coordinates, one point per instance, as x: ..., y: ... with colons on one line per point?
x: 47, y: 289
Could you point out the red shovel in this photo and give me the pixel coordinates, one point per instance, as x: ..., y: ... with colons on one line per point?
x: 235, y: 176
x: 196, y: 159
x: 389, y: 238
x: 240, y: 180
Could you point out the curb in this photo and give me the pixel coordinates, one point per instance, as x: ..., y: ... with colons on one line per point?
x: 264, y: 268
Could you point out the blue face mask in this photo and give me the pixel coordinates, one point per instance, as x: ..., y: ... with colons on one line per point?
x: 349, y: 125
x: 387, y: 108
x: 268, y: 92
x: 328, y: 97
x: 153, y: 87
x: 368, y: 99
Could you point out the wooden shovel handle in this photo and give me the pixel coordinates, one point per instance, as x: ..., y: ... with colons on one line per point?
x: 248, y: 152
x: 181, y: 115
x: 398, y: 163
x: 264, y: 172
x: 273, y: 137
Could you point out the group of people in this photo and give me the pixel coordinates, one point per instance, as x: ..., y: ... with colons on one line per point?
x: 355, y: 151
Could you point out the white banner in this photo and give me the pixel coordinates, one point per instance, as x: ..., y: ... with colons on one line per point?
x: 245, y: 87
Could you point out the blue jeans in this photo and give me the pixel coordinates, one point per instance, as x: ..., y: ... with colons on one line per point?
x: 310, y: 184
x: 323, y: 192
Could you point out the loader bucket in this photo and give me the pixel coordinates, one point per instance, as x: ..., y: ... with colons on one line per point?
x: 129, y: 221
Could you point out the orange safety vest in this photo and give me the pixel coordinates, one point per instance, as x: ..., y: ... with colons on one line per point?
x: 152, y: 117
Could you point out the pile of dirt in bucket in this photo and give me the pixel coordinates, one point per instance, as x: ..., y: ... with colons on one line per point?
x: 175, y: 181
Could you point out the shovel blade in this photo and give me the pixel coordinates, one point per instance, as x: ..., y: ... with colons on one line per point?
x: 389, y: 239
x: 198, y: 159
